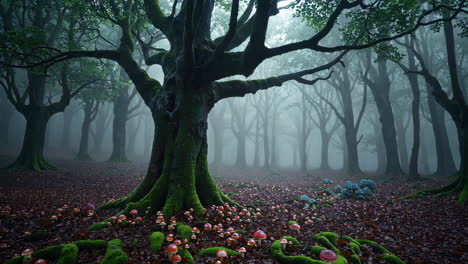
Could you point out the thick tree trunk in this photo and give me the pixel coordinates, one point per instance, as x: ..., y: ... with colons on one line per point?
x: 445, y: 161
x: 119, y: 129
x: 31, y: 155
x: 380, y: 90
x: 178, y: 177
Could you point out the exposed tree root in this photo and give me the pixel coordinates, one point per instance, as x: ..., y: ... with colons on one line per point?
x: 36, y: 163
x: 458, y: 186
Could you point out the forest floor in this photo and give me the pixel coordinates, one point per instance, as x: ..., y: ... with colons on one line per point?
x: 422, y: 230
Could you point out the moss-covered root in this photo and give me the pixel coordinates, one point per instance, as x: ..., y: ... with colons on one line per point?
x: 278, y: 255
x: 389, y: 257
x: 156, y: 241
x: 212, y: 252
x: 184, y: 254
x: 90, y: 244
x: 184, y: 231
x: 327, y: 239
x: 114, y: 253
x: 69, y: 254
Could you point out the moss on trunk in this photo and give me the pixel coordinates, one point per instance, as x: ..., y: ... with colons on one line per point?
x: 178, y: 177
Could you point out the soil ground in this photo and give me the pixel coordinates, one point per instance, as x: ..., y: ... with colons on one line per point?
x: 423, y: 230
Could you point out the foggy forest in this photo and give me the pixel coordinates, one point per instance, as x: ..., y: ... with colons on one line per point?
x: 234, y: 131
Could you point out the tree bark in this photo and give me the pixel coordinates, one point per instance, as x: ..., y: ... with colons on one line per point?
x: 119, y: 129
x: 178, y: 177
x: 31, y: 155
x: 89, y: 114
x: 380, y: 89
x: 324, y: 164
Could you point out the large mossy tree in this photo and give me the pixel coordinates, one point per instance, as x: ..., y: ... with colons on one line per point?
x: 178, y: 177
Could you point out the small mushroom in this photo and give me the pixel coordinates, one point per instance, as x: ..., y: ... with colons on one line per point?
x: 242, y: 251
x: 40, y: 261
x: 260, y: 235
x: 175, y: 259
x: 328, y: 256
x: 221, y: 254
x: 171, y: 250
x: 283, y: 243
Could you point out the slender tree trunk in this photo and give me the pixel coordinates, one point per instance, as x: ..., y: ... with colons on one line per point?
x: 414, y: 84
x: 66, y: 130
x: 266, y: 144
x: 324, y: 150
x: 401, y: 139
x: 240, y: 158
x: 31, y: 155
x: 352, y: 158
x: 257, y: 142
x: 100, y: 127
x: 83, y: 153
x: 274, y: 135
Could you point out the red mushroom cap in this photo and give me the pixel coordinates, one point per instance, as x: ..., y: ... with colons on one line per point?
x: 260, y: 235
x: 172, y: 248
x: 295, y: 226
x: 134, y: 212
x: 175, y: 258
x: 40, y: 261
x: 328, y: 255
x: 242, y: 250
x: 221, y: 253
x: 284, y: 241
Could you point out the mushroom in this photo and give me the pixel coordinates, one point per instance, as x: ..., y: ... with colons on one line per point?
x: 235, y: 236
x: 159, y: 219
x: 171, y: 250
x: 27, y: 253
x: 252, y: 243
x: 40, y: 261
x: 283, y: 243
x: 134, y: 212
x: 260, y: 235
x: 170, y: 237
x: 175, y: 259
x: 177, y: 242
x: 221, y: 254
x: 207, y: 226
x: 195, y: 230
x: 328, y: 256
x: 138, y: 218
x: 122, y: 217
x: 295, y: 227
x: 242, y: 251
